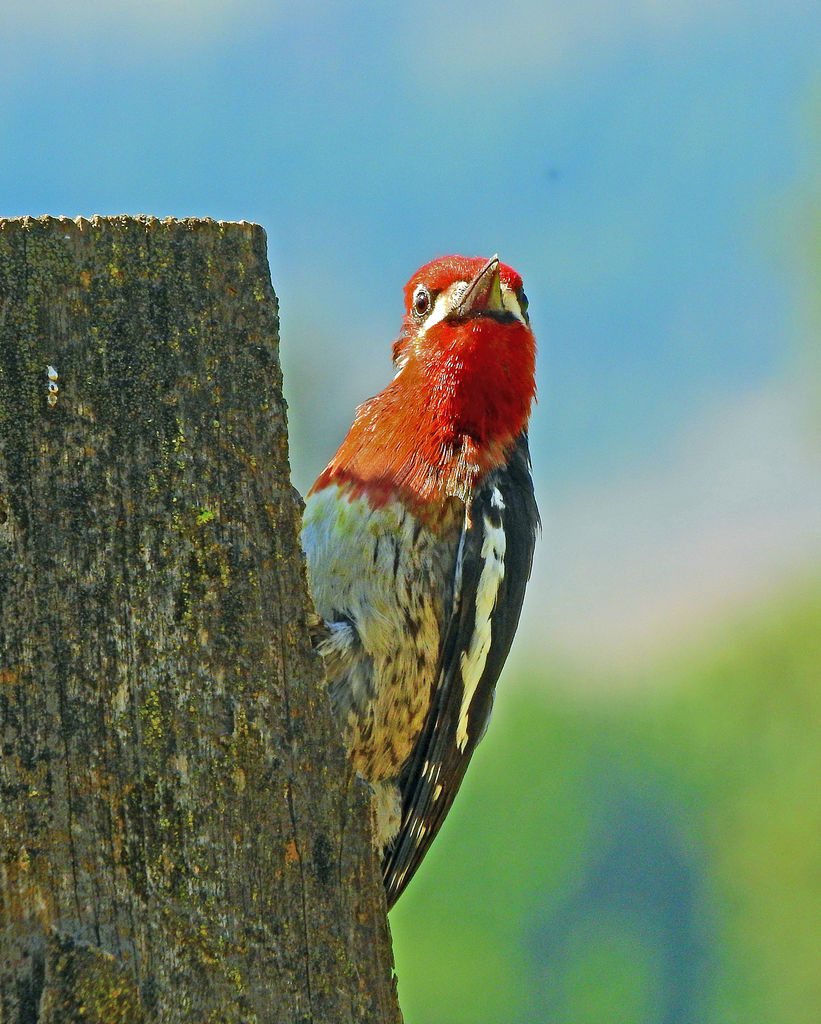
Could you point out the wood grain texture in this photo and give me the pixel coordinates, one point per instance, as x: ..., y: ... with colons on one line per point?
x: 181, y: 838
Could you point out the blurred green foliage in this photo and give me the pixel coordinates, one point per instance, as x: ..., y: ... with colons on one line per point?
x: 642, y: 853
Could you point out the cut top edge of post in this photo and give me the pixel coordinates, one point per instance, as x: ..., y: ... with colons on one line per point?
x: 122, y: 221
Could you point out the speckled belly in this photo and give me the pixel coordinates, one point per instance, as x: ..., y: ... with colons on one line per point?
x: 383, y: 582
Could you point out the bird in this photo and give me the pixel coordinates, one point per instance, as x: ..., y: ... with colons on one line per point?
x: 419, y: 538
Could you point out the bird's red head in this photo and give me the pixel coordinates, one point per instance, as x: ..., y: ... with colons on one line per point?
x: 464, y: 385
x: 443, y: 281
x: 466, y: 334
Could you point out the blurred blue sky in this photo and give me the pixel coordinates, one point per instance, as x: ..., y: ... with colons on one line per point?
x: 647, y: 167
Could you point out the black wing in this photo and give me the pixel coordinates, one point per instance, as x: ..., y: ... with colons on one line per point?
x: 501, y: 527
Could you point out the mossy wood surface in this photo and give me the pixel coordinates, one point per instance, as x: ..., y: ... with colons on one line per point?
x: 180, y: 837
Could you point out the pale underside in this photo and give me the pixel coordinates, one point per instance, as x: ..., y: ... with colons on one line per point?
x: 383, y: 582
x: 385, y: 585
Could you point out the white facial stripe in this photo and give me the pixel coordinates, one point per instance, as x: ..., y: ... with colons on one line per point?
x: 447, y: 299
x: 443, y: 304
x: 472, y: 663
x: 511, y: 302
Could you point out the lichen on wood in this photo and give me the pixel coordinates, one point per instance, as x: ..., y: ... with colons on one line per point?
x: 179, y: 828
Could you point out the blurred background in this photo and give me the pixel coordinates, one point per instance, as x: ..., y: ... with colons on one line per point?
x: 639, y: 838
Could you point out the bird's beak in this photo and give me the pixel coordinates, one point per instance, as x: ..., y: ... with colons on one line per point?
x: 484, y: 293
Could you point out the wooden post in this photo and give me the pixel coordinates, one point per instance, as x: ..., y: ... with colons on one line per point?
x: 180, y: 836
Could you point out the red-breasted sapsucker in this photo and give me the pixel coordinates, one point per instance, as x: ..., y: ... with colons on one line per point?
x: 419, y: 539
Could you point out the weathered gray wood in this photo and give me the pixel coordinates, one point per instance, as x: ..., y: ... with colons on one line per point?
x: 180, y: 835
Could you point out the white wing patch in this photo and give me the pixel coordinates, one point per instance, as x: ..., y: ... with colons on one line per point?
x: 472, y: 662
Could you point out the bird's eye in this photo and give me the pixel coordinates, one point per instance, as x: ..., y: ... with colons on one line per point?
x: 421, y: 300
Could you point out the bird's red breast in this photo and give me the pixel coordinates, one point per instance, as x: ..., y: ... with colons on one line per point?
x: 460, y: 398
